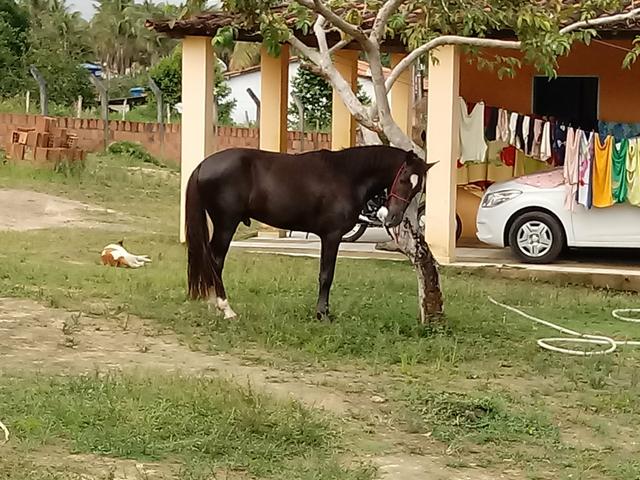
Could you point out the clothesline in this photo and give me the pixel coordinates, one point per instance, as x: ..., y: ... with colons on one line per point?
x: 597, y: 172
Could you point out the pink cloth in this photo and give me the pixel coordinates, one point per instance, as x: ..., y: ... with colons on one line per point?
x: 570, y: 168
x: 548, y: 179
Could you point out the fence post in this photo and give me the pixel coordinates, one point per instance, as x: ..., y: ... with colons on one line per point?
x: 27, y: 103
x: 104, y: 100
x: 159, y: 112
x: 42, y: 85
x: 79, y: 107
x: 256, y: 100
x: 300, y: 108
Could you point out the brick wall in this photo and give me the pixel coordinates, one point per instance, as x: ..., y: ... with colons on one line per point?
x: 90, y: 135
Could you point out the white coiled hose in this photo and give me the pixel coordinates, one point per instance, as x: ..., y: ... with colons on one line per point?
x: 611, y: 343
x: 5, y: 431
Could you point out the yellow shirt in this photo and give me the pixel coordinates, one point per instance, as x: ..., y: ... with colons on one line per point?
x: 633, y: 172
x: 602, y: 196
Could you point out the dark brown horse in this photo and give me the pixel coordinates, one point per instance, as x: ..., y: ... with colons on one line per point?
x: 321, y: 192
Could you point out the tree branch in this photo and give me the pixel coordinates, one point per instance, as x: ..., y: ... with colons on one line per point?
x: 493, y: 43
x: 321, y: 9
x: 392, y: 131
x: 339, y: 46
x: 407, y: 61
x: 326, y: 69
x: 630, y: 15
x: 321, y: 35
x: 380, y: 23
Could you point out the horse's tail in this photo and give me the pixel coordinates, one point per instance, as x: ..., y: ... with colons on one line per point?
x: 201, y: 276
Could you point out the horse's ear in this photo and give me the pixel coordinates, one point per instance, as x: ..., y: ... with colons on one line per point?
x: 429, y: 165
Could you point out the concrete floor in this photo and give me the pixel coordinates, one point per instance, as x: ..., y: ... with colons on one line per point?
x: 617, y: 269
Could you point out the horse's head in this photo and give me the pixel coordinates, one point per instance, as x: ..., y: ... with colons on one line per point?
x: 408, y: 182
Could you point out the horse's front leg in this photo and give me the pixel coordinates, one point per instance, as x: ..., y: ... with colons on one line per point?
x: 222, y: 236
x: 330, y: 244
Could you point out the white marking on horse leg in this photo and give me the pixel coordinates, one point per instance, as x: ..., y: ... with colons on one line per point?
x: 382, y: 214
x: 223, y: 304
x: 414, y: 180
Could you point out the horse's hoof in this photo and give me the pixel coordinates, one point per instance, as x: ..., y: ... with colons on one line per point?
x: 230, y: 316
x: 323, y: 317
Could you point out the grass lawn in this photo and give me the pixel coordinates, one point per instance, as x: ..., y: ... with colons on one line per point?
x: 478, y: 393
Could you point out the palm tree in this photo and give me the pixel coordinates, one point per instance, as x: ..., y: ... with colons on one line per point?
x: 114, y: 34
x: 244, y: 55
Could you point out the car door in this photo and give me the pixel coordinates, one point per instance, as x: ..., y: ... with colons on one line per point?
x: 615, y: 226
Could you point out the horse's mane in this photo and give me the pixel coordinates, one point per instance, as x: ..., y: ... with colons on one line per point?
x: 356, y: 160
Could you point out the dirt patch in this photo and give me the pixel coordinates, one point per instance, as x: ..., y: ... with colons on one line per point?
x: 37, y: 338
x: 22, y: 210
x: 421, y: 467
x: 56, y: 341
x: 60, y: 463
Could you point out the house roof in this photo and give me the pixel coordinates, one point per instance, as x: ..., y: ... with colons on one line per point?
x: 363, y: 69
x: 208, y: 24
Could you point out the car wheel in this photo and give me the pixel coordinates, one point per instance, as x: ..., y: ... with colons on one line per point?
x: 355, y: 233
x: 536, y: 237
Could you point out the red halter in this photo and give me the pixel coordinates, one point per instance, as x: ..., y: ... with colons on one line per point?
x: 392, y: 192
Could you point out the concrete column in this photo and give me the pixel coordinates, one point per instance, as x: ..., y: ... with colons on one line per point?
x: 197, y: 138
x: 343, y: 125
x: 402, y: 96
x: 443, y: 146
x: 274, y: 94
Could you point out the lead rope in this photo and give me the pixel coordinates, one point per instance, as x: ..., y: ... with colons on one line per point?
x: 580, y: 337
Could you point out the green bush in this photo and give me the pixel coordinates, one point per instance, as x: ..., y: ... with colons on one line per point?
x: 167, y: 74
x: 133, y: 150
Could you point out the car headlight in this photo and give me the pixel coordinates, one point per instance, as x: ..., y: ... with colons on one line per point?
x: 494, y: 199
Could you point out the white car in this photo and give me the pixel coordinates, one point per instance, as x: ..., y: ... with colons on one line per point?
x: 534, y: 222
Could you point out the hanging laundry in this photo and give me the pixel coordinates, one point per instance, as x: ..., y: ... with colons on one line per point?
x: 536, y: 138
x: 619, y: 171
x: 525, y: 133
x: 601, y: 182
x: 531, y: 137
x: 519, y: 143
x: 633, y: 172
x: 513, y: 121
x: 545, y: 142
x: 570, y: 169
x: 472, y: 143
x: 585, y: 168
x: 618, y: 130
x: 490, y: 123
x: 502, y: 128
x: 558, y: 140
x: 508, y: 155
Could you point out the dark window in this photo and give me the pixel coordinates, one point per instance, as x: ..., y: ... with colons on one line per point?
x: 569, y: 99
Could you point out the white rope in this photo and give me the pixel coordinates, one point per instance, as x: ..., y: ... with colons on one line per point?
x: 546, y: 343
x: 5, y: 431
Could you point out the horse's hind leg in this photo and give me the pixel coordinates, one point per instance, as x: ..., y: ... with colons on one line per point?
x: 330, y: 244
x: 222, y: 236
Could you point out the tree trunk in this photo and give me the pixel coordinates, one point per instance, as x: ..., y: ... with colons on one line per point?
x: 411, y: 242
